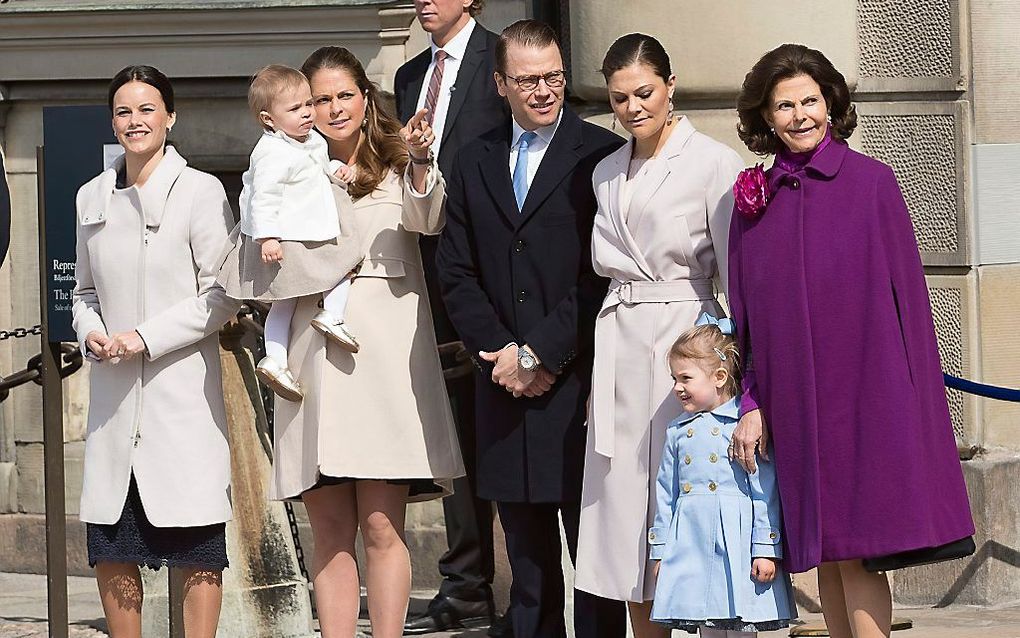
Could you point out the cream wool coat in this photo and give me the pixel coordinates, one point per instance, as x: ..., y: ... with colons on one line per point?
x: 662, y: 244
x: 382, y: 413
x: 146, y: 261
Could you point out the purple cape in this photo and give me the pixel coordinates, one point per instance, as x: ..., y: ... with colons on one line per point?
x: 829, y: 299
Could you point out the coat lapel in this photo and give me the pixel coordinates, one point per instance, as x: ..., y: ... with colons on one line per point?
x: 559, y: 161
x: 495, y: 167
x: 473, y: 56
x: 659, y: 171
x: 621, y: 163
x: 421, y: 67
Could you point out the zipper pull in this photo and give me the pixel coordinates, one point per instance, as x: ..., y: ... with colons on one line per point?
x: 146, y: 239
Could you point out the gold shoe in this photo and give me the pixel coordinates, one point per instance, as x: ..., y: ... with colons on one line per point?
x: 335, y: 331
x: 278, y: 379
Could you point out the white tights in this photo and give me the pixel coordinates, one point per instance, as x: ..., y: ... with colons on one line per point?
x: 707, y: 632
x: 277, y: 332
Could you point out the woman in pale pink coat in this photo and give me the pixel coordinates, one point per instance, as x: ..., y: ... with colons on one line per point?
x: 660, y: 236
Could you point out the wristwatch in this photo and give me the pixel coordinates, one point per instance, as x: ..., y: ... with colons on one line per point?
x: 526, y: 359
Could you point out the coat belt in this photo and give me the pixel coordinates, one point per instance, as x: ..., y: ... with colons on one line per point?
x: 602, y: 415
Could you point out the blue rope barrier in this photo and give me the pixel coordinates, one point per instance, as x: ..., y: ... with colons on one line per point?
x: 980, y: 389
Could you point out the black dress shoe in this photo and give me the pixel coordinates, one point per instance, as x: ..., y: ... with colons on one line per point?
x: 502, y: 627
x: 445, y: 613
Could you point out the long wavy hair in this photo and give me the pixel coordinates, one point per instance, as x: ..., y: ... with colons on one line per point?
x: 382, y: 149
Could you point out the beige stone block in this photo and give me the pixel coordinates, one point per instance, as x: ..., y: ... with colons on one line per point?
x: 215, y: 134
x: 955, y: 313
x: 31, y: 484
x: 995, y: 50
x: 999, y: 288
x: 8, y: 488
x: 712, y: 43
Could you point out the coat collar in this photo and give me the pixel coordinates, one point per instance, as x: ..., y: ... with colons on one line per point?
x: 477, y: 43
x: 729, y: 411
x: 659, y: 170
x: 153, y: 194
x: 824, y: 165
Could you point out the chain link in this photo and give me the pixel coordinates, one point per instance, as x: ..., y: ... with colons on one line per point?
x: 71, y: 362
x: 19, y: 333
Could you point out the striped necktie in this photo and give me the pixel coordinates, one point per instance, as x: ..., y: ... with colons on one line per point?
x: 432, y: 96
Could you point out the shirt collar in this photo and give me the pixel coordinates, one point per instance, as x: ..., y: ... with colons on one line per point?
x: 546, y: 132
x: 729, y: 410
x: 824, y: 164
x: 314, y: 139
x: 456, y: 47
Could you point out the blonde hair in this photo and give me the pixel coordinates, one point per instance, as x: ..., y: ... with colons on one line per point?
x: 267, y: 84
x: 708, y: 344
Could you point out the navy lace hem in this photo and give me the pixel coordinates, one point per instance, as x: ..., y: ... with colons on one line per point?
x: 133, y: 539
x: 728, y: 624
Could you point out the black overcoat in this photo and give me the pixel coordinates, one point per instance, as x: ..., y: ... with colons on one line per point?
x: 526, y: 276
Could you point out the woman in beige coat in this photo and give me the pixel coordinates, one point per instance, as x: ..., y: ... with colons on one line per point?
x: 374, y: 429
x: 146, y: 312
x: 660, y: 235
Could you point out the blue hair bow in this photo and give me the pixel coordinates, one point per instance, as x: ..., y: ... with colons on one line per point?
x: 725, y: 324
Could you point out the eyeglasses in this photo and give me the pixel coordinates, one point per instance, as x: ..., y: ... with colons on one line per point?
x: 553, y: 79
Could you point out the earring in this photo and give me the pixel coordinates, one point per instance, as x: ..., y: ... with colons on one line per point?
x: 169, y: 129
x: 669, y: 116
x: 614, y: 122
x: 772, y: 130
x: 828, y: 118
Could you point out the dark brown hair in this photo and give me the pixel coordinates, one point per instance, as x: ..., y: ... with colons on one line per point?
x: 148, y: 75
x: 476, y: 7
x: 784, y: 62
x: 523, y: 33
x: 709, y: 345
x: 382, y: 150
x: 636, y: 48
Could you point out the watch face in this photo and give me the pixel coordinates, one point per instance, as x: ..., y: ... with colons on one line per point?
x: 527, y: 361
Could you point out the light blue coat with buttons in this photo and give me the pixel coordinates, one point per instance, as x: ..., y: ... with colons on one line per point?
x: 712, y: 518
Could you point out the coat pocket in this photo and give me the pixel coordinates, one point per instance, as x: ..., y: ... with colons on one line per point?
x: 385, y: 268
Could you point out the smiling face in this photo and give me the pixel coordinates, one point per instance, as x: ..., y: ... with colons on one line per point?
x: 140, y: 119
x: 640, y: 99
x: 291, y: 112
x: 698, y: 387
x: 798, y: 112
x: 339, y: 104
x: 540, y: 106
x: 442, y: 18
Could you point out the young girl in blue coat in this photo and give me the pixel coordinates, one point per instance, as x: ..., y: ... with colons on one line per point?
x: 717, y: 535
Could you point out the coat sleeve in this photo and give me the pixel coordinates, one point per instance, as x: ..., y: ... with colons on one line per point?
x: 910, y: 293
x: 719, y: 207
x: 190, y: 320
x: 424, y: 212
x: 269, y: 175
x: 666, y: 491
x: 468, y: 305
x: 86, y: 314
x: 767, y: 516
x: 735, y: 299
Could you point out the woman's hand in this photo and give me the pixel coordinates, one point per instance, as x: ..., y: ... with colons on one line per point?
x: 123, y: 345
x: 763, y: 570
x: 749, y: 435
x: 418, y: 136
x: 272, y: 250
x: 95, y: 342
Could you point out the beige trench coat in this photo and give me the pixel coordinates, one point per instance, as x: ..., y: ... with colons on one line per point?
x: 147, y: 261
x: 382, y: 413
x: 662, y: 245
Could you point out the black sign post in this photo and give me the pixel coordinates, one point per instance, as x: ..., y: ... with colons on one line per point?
x: 74, y: 136
x: 5, y: 212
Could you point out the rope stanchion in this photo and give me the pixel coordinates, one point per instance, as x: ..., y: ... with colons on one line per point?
x: 981, y: 389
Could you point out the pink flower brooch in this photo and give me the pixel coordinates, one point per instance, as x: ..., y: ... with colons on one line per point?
x: 751, y: 192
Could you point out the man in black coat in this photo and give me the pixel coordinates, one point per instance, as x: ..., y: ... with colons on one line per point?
x: 515, y: 268
x: 463, y: 105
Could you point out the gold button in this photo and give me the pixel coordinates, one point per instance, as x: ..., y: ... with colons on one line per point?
x: 690, y: 432
x: 712, y: 486
x: 687, y: 488
x: 773, y: 536
x: 713, y: 457
x: 651, y: 536
x: 715, y: 431
x: 687, y: 459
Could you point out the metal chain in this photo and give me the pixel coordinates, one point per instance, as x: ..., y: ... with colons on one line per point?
x: 18, y: 333
x: 299, y: 553
x: 71, y: 362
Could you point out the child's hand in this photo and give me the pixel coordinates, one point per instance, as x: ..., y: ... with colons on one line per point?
x: 655, y: 569
x: 763, y: 570
x: 345, y: 174
x: 272, y: 251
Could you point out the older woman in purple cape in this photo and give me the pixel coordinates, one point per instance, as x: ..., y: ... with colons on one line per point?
x: 829, y: 297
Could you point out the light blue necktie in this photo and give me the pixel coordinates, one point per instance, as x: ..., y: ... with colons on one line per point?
x: 521, y: 170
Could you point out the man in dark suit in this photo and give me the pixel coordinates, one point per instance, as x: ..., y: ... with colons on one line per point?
x: 515, y: 268
x: 453, y: 80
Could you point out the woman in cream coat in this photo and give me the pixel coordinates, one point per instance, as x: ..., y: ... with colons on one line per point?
x: 146, y: 312
x: 660, y: 235
x: 374, y: 430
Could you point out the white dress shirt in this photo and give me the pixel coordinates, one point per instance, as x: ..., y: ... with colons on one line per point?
x: 455, y: 50
x: 537, y: 148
